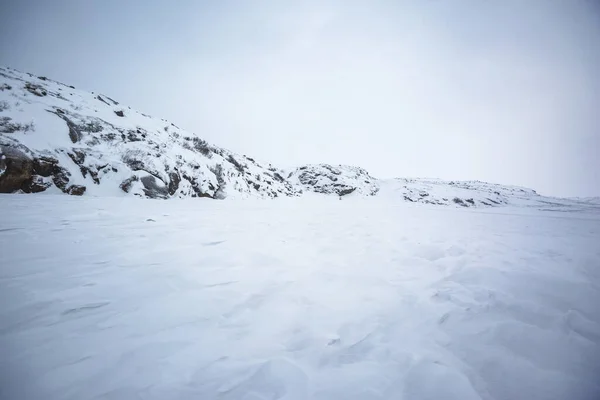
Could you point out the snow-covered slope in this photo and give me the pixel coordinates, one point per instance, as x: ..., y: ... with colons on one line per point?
x: 54, y: 136
x: 300, y: 298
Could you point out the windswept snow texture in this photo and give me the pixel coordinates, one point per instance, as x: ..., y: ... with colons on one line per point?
x: 296, y: 298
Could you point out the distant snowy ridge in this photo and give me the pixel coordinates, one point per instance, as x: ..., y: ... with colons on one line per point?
x: 55, y: 138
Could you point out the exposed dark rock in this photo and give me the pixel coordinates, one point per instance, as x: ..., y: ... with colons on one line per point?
x: 74, y: 131
x: 16, y: 168
x: 116, y: 103
x: 20, y: 172
x: 126, y: 184
x: 346, y: 191
x: 152, y: 189
x: 331, y: 169
x: 460, y: 202
x: 236, y: 163
x: 91, y: 127
x: 221, y: 182
x: 35, y: 89
x: 45, y: 166
x: 76, y: 190
x: 36, y: 184
x: 108, y: 136
x: 120, y: 113
x: 134, y: 164
x: 61, y: 178
x: 93, y: 174
x: 174, y: 180
x: 470, y: 201
x: 77, y: 156
x: 102, y: 100
x: 195, y: 187
x: 201, y: 146
x: 132, y: 137
x: 7, y: 126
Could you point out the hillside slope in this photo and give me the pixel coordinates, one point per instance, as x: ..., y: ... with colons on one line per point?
x: 53, y: 136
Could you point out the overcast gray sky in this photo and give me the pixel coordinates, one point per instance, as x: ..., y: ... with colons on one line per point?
x: 502, y: 91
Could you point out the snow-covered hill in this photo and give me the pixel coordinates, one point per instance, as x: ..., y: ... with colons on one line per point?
x: 53, y: 136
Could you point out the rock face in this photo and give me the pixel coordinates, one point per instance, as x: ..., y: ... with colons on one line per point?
x: 340, y: 180
x: 16, y: 170
x: 20, y: 172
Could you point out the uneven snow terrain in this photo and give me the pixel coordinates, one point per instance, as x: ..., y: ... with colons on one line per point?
x: 296, y: 298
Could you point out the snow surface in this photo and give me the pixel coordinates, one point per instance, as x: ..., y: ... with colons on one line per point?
x: 296, y: 298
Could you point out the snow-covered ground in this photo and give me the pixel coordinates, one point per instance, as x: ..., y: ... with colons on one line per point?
x: 296, y: 298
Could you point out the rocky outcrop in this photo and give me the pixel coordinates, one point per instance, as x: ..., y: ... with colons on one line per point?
x: 20, y: 172
x: 174, y: 180
x: 16, y: 170
x: 340, y: 180
x: 76, y: 190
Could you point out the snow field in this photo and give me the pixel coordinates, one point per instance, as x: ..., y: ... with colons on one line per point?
x: 306, y: 298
